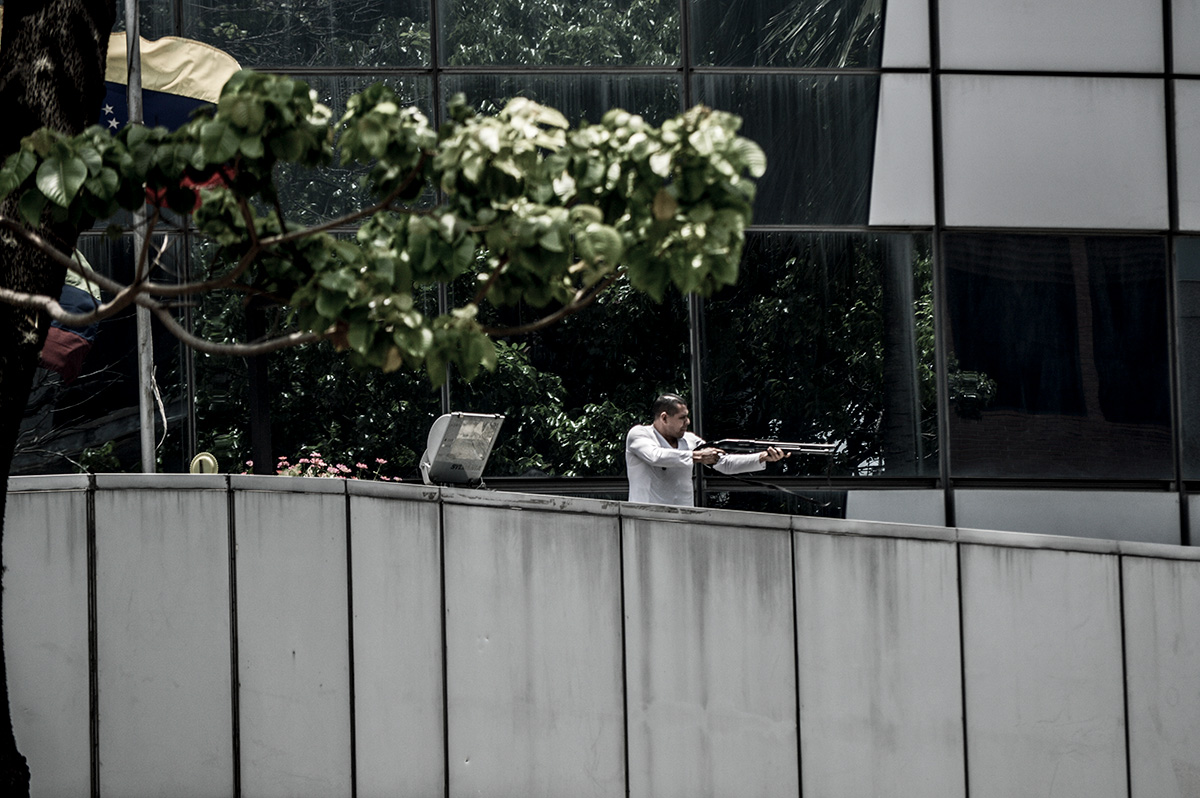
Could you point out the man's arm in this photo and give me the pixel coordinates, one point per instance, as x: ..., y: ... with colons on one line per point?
x: 642, y: 443
x: 742, y: 463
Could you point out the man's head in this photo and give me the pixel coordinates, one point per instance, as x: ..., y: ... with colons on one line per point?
x: 670, y: 416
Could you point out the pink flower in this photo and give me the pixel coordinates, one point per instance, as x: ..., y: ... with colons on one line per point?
x: 345, y: 469
x: 360, y: 465
x: 381, y: 461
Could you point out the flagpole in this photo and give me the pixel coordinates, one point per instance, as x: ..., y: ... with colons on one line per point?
x: 145, y: 344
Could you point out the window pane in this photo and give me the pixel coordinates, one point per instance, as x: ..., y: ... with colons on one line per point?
x: 1058, y: 356
x: 582, y: 33
x: 785, y: 33
x: 827, y: 338
x: 819, y: 137
x: 571, y: 392
x: 92, y: 417
x: 155, y: 19
x: 1187, y: 289
x: 307, y: 33
x: 577, y: 96
x: 310, y: 196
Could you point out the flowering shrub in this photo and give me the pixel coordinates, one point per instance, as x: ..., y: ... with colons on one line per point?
x: 314, y: 465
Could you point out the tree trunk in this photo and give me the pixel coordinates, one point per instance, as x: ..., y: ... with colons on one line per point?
x: 52, y: 60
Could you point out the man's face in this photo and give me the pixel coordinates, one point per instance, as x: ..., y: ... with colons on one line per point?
x: 673, y: 426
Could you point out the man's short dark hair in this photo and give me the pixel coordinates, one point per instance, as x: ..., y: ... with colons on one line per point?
x: 668, y: 403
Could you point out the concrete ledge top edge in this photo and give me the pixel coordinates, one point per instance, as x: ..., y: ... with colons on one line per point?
x: 161, y: 482
x: 537, y: 502
x: 1030, y: 540
x: 1159, y: 551
x: 874, y: 529
x: 707, y: 516
x: 413, y: 491
x: 281, y: 484
x: 48, y: 482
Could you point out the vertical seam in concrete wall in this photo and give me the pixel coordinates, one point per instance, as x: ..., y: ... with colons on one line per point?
x: 350, y: 644
x: 445, y: 664
x: 1124, y: 672
x: 234, y: 679
x: 792, y: 533
x: 624, y: 636
x: 93, y: 641
x: 962, y: 667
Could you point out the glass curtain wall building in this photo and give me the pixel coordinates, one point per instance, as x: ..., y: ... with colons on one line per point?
x: 974, y: 266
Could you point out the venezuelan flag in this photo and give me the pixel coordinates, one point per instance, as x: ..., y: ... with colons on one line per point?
x: 178, y: 76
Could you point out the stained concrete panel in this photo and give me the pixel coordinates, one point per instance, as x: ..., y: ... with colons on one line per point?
x: 163, y: 654
x: 711, y: 660
x: 1043, y: 673
x: 880, y: 686
x: 396, y: 561
x: 1162, y: 655
x: 533, y: 653
x: 293, y: 643
x: 46, y: 637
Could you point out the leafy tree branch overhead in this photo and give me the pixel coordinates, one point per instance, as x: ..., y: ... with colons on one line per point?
x: 539, y: 211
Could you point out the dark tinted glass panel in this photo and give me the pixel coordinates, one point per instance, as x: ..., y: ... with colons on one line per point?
x: 308, y: 33
x: 571, y: 392
x: 310, y: 196
x: 318, y: 400
x: 827, y: 338
x: 543, y: 33
x: 1058, y: 362
x: 819, y: 137
x: 786, y: 33
x: 1187, y: 257
x: 577, y: 96
x: 88, y: 414
x: 790, y: 501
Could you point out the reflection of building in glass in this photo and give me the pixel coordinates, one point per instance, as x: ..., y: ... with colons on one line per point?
x: 973, y: 265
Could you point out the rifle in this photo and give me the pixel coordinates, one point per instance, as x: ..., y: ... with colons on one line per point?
x: 747, y: 445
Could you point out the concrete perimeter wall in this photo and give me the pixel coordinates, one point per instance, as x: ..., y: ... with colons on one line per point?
x: 274, y: 636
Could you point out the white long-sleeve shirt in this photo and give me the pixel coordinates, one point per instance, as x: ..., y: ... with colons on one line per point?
x: 662, y: 474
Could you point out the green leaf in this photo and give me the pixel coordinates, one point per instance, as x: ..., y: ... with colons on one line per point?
x: 31, y: 205
x: 218, y: 142
x: 60, y: 178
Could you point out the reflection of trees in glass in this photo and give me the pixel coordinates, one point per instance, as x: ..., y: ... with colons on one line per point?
x: 786, y: 33
x: 264, y: 33
x: 828, y: 338
x: 572, y: 392
x: 311, y: 196
x: 819, y: 136
x: 580, y: 33
x: 578, y: 97
x: 318, y: 400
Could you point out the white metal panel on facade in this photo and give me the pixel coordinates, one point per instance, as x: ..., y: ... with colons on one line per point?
x: 917, y: 506
x: 1110, y: 515
x: 1054, y: 152
x: 711, y: 661
x: 1185, y: 29
x: 163, y: 642
x: 1162, y: 656
x: 902, y: 177
x: 46, y: 638
x: 293, y: 643
x: 906, y: 34
x: 877, y: 631
x: 396, y: 564
x: 1187, y: 150
x: 1058, y: 35
x: 1043, y: 673
x: 533, y: 653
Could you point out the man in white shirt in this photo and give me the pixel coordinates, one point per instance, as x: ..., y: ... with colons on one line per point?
x: 660, y: 456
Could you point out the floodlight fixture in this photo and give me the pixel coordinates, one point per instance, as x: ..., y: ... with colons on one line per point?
x: 458, y: 447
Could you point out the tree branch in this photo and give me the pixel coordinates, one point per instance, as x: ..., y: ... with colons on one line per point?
x: 583, y: 297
